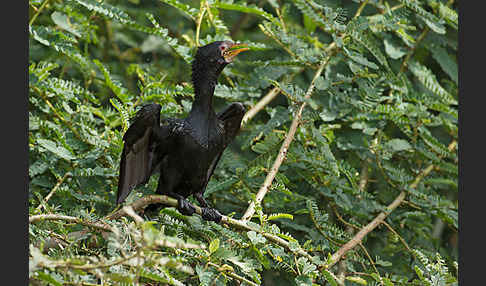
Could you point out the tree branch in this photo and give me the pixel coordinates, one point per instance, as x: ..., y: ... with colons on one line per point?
x: 37, y: 218
x: 264, y: 101
x: 381, y: 217
x: 330, y: 50
x: 67, y: 264
x: 363, y: 181
x: 288, y: 139
x: 171, y: 202
x: 59, y: 183
x: 260, y: 105
x: 229, y: 271
x: 44, y: 4
x: 398, y: 235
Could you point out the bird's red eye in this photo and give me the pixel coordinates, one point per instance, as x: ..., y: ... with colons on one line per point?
x: 222, y: 48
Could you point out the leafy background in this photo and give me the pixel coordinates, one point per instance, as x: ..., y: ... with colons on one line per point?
x: 370, y: 89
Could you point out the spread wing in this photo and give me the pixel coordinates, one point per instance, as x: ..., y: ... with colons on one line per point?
x: 231, y: 117
x: 139, y: 158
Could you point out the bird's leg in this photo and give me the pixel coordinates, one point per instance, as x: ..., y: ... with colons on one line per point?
x: 208, y: 213
x: 183, y: 205
x: 168, y: 181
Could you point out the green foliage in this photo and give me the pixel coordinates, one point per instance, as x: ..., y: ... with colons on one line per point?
x: 380, y: 121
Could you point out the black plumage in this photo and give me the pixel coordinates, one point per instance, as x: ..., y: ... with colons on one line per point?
x: 186, y: 151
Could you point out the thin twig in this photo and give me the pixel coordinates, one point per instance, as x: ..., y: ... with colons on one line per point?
x: 333, y: 207
x: 412, y: 50
x: 396, y: 233
x: 264, y: 101
x: 44, y: 201
x: 199, y: 22
x: 232, y: 274
x: 57, y: 114
x: 67, y: 264
x: 369, y: 257
x: 321, y: 231
x: 271, y: 35
x: 260, y: 105
x: 279, y: 14
x: 38, y: 12
x: 360, y: 9
x: 37, y: 218
x: 286, y: 144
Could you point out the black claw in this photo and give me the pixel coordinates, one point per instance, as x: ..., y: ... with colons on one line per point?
x: 211, y: 215
x: 185, y: 207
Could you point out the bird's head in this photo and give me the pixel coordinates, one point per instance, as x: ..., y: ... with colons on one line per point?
x: 220, y: 52
x: 213, y: 57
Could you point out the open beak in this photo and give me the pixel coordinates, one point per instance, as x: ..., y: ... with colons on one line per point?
x: 233, y: 51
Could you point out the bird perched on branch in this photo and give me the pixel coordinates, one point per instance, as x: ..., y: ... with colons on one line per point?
x: 186, y: 151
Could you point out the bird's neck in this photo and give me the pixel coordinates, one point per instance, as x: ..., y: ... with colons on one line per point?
x: 203, y: 98
x: 204, y: 82
x: 202, y: 117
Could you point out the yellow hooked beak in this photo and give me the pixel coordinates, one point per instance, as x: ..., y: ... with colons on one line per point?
x: 233, y: 51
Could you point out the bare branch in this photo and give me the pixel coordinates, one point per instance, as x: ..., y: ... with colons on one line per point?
x: 260, y: 105
x: 286, y: 144
x: 363, y: 181
x: 381, y: 217
x: 130, y: 212
x: 225, y: 221
x: 37, y: 218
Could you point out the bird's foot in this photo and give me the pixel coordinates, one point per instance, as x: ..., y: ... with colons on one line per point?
x: 211, y: 215
x: 185, y: 207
